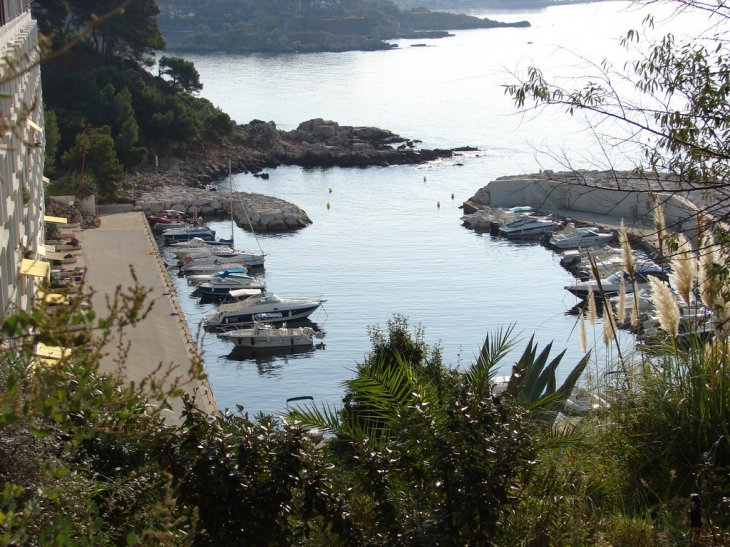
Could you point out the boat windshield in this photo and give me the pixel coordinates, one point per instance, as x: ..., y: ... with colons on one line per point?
x: 266, y: 298
x: 616, y: 278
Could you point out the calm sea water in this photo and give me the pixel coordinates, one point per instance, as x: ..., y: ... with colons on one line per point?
x: 384, y: 246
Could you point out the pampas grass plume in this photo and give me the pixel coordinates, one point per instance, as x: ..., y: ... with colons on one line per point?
x: 607, y: 325
x: 706, y: 278
x: 660, y: 225
x: 683, y: 269
x: 635, y: 315
x: 627, y: 256
x: 621, y: 312
x: 592, y: 312
x: 582, y: 337
x: 666, y: 306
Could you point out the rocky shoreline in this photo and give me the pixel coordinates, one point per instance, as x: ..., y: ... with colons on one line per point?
x: 259, y: 145
x: 180, y: 177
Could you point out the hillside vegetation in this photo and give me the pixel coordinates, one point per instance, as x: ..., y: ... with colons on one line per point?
x: 105, y: 110
x: 304, y: 26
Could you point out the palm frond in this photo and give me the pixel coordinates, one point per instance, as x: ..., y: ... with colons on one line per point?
x: 496, y: 346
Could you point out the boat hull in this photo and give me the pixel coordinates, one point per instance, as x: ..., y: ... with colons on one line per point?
x: 271, y: 341
x: 248, y: 317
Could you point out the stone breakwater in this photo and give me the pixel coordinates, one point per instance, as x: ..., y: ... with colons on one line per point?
x: 315, y: 143
x: 250, y: 211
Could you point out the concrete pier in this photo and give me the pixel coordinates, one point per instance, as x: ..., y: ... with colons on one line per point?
x: 162, y: 338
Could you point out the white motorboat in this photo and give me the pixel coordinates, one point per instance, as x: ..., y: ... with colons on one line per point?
x: 213, y: 266
x: 695, y: 312
x: 265, y: 307
x: 571, y: 237
x: 265, y: 335
x: 576, y: 257
x: 204, y: 252
x: 642, y: 298
x: 695, y: 320
x: 187, y: 232
x: 198, y: 245
x: 217, y: 263
x: 222, y: 286
x: 608, y: 260
x: 204, y: 278
x: 483, y: 218
x: 611, y: 285
x: 527, y: 227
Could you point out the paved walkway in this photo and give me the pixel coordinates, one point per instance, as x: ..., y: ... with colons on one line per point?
x: 163, y: 338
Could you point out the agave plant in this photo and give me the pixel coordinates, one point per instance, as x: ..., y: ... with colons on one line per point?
x: 533, y: 382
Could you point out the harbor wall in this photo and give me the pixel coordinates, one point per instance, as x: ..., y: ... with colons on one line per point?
x: 557, y: 195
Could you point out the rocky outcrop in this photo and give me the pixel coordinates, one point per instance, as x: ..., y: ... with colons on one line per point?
x: 315, y: 143
x: 73, y: 213
x: 250, y: 211
x: 178, y: 176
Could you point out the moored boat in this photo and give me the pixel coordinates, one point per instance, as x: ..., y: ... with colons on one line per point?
x: 213, y: 266
x: 188, y: 232
x: 247, y: 311
x: 611, y: 285
x: 222, y: 286
x: 527, y: 227
x: 204, y: 278
x: 264, y: 335
x: 571, y: 237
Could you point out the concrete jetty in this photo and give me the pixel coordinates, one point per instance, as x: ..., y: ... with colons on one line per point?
x: 603, y: 198
x: 162, y: 338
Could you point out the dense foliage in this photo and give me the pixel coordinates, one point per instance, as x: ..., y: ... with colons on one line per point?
x: 288, y: 25
x: 420, y: 454
x: 97, y: 87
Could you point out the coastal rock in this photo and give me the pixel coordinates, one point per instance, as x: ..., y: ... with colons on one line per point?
x: 73, y: 213
x: 259, y: 145
x: 183, y: 174
x: 252, y: 212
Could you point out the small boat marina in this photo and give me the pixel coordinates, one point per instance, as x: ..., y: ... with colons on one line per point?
x: 569, y: 217
x: 248, y: 315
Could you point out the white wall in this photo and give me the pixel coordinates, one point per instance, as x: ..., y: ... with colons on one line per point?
x: 21, y: 164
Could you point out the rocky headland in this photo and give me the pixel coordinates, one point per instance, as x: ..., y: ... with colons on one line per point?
x: 315, y: 143
x: 179, y: 177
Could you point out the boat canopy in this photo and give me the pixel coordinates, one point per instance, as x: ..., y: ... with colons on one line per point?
x: 238, y: 293
x: 232, y: 271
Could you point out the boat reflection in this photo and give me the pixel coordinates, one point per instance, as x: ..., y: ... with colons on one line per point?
x: 270, y: 360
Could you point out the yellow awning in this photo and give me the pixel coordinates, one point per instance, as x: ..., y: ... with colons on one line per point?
x: 52, y: 298
x: 35, y: 268
x: 53, y: 255
x: 35, y: 126
x: 42, y: 250
x: 57, y: 220
x: 48, y: 355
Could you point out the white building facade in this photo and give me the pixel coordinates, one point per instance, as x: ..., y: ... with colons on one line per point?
x: 21, y: 158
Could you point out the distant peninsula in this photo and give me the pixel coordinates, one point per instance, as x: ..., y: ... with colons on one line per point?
x: 305, y: 26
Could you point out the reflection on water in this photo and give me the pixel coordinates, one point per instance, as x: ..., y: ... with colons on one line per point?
x: 271, y: 361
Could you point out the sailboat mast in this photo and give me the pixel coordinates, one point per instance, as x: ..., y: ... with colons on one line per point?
x: 233, y: 224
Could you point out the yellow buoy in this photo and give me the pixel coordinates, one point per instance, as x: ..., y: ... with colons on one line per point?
x: 328, y: 205
x: 330, y: 190
x: 438, y: 204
